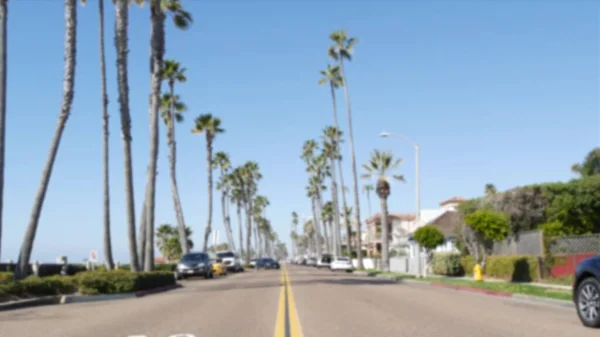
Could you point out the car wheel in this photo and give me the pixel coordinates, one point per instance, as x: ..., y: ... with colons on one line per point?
x: 588, y: 302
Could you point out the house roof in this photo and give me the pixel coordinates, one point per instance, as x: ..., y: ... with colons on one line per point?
x: 448, y: 223
x: 453, y: 200
x: 393, y: 216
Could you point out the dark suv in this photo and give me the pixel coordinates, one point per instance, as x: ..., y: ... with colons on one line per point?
x: 194, y: 264
x: 586, y: 291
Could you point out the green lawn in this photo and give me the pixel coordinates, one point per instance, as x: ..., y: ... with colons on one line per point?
x: 513, y: 288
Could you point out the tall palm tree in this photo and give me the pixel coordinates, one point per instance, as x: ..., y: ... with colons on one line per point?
x: 380, y: 166
x: 237, y: 197
x: 295, y: 233
x: 328, y: 219
x: 211, y: 127
x: 341, y: 50
x: 319, y: 168
x: 314, y: 189
x: 108, y: 257
x: 367, y: 189
x: 159, y: 9
x: 311, y: 193
x: 332, y: 137
x: 222, y: 162
x: 309, y: 230
x: 308, y: 156
x: 172, y: 110
x: 260, y: 203
x: 247, y: 177
x: 65, y: 111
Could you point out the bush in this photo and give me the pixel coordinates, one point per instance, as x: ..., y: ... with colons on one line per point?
x: 448, y: 264
x: 248, y: 266
x: 37, y: 286
x: 513, y: 268
x: 46, y: 269
x: 429, y: 237
x: 6, y: 276
x: 116, y: 281
x: 165, y: 267
x: 468, y: 263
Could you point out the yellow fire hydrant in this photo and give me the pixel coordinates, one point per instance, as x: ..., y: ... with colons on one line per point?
x: 477, y: 275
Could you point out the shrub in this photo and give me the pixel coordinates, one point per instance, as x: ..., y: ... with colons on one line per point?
x: 6, y: 276
x: 513, y: 268
x: 37, y: 286
x: 468, y: 263
x: 116, y: 281
x: 165, y: 267
x: 248, y: 266
x: 429, y: 237
x: 448, y: 264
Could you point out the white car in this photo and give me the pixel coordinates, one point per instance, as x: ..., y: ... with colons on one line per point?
x: 341, y: 263
x: 324, y: 261
x: 231, y: 261
x: 311, y: 261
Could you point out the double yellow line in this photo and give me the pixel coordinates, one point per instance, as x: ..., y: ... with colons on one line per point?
x: 287, y: 323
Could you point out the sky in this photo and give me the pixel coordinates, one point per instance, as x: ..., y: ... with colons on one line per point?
x: 503, y: 93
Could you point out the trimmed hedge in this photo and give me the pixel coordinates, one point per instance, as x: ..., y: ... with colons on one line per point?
x: 88, y: 283
x: 6, y: 276
x: 46, y: 269
x: 448, y: 264
x: 509, y: 268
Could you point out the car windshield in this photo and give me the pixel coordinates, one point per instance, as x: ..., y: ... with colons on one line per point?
x: 193, y: 257
x: 223, y: 255
x: 268, y: 260
x: 342, y: 259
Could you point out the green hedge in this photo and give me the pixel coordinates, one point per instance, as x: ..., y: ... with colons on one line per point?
x: 46, y: 269
x: 88, y: 283
x: 513, y: 268
x: 468, y: 263
x: 6, y: 276
x: 448, y: 264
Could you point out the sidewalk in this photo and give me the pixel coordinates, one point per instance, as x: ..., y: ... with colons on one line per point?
x: 469, y: 278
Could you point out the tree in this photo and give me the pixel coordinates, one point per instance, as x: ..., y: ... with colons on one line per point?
x: 341, y: 50
x: 237, y: 198
x: 367, y: 189
x: 490, y: 189
x: 332, y: 137
x: 211, y: 127
x: 246, y: 178
x: 294, y: 234
x: 172, y: 110
x: 488, y: 226
x: 65, y: 111
x: 429, y: 237
x: 259, y: 204
x: 223, y: 164
x: 380, y: 166
x: 590, y: 165
x: 328, y: 215
x: 168, y: 241
x: 181, y: 19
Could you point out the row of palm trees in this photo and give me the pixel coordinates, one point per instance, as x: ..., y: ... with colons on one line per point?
x: 241, y: 182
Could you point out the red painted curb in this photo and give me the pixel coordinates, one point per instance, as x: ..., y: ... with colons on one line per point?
x: 473, y: 290
x: 155, y: 290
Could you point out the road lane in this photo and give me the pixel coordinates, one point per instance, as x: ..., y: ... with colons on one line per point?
x: 239, y: 305
x: 332, y: 304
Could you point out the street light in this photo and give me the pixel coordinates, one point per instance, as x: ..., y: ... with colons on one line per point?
x: 385, y: 134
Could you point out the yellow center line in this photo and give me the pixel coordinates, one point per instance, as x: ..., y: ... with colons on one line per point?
x: 287, y: 323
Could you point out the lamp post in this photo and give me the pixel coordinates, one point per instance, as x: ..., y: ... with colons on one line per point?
x: 417, y: 186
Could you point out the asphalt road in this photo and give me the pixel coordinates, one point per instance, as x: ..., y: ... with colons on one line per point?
x: 307, y: 303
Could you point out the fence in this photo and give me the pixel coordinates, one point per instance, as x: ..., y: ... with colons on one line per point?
x: 526, y: 243
x: 568, y: 251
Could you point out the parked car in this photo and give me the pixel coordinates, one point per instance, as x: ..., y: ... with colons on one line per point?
x: 218, y: 268
x: 231, y: 260
x: 269, y: 263
x: 324, y: 261
x: 341, y: 263
x: 311, y: 261
x: 194, y: 264
x: 586, y: 291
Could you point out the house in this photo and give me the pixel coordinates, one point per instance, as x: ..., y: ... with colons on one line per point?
x: 402, y: 226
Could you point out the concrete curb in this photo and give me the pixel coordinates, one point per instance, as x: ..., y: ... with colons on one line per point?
x: 549, y: 301
x: 69, y: 299
x: 157, y: 290
x: 29, y: 303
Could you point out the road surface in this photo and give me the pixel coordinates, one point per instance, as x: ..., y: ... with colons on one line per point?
x: 308, y: 302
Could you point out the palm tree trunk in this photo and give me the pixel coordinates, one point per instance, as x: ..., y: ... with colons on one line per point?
x: 183, y: 239
x: 248, y: 212
x: 257, y: 243
x: 157, y: 51
x: 142, y: 234
x: 240, y: 224
x: 209, y: 150
x: 385, y: 251
x: 226, y: 222
x: 323, y: 221
x: 3, y: 73
x: 336, y: 211
x: 359, y: 263
x: 369, y: 202
x: 65, y: 111
x: 317, y: 226
x: 108, y: 257
x: 345, y: 207
x: 122, y: 23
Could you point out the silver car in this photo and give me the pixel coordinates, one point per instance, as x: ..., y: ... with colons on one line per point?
x: 194, y: 264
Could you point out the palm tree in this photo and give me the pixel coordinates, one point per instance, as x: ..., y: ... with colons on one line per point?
x: 182, y: 19
x: 108, y: 257
x: 367, y: 189
x: 246, y: 177
x: 309, y: 230
x: 237, y: 197
x: 294, y: 233
x: 65, y: 111
x: 328, y: 219
x: 332, y: 137
x: 211, y: 127
x: 222, y: 162
x: 172, y: 110
x: 260, y: 202
x: 490, y: 189
x: 379, y: 166
x: 320, y: 170
x: 308, y: 155
x: 311, y: 193
x: 168, y: 241
x: 342, y: 50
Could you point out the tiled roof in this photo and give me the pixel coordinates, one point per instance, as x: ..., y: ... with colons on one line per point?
x: 453, y: 200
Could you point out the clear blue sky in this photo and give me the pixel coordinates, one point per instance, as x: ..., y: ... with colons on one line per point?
x: 494, y: 93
